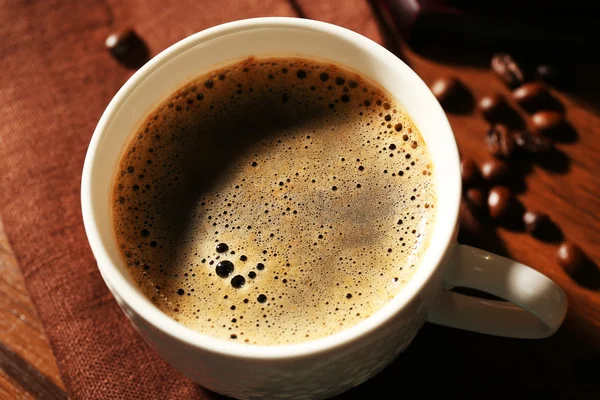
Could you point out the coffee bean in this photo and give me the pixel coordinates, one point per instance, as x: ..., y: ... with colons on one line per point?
x: 493, y: 107
x: 507, y: 69
x: 495, y: 170
x: 500, y: 141
x: 476, y: 199
x: 127, y: 48
x: 468, y: 171
x: 533, y: 144
x: 531, y: 95
x: 547, y: 122
x: 570, y: 257
x: 500, y: 202
x: 447, y: 90
x: 535, y: 222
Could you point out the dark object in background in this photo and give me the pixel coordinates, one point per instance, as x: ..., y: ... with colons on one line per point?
x: 540, y: 226
x: 535, y: 28
x: 556, y: 75
x: 468, y: 221
x: 500, y: 141
x: 452, y: 94
x: 533, y: 144
x: 547, y: 122
x: 493, y: 107
x: 476, y: 200
x: 495, y: 170
x: 445, y: 89
x: 500, y: 203
x: 507, y: 70
x: 535, y: 222
x: 127, y: 48
x: 469, y: 171
x: 531, y: 96
x: 570, y: 257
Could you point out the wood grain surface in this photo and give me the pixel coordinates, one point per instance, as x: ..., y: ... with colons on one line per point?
x: 568, y: 190
x: 27, y: 365
x: 566, y: 187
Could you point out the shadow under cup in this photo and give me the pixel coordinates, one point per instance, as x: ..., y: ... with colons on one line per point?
x: 315, y: 369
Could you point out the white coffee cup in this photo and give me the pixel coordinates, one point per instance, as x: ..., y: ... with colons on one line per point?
x: 338, y: 362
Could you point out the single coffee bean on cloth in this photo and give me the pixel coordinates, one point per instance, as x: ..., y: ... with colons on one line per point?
x: 128, y: 48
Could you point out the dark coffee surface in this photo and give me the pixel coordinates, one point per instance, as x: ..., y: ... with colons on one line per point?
x: 274, y: 201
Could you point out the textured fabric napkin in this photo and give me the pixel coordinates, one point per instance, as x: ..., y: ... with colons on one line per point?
x: 56, y: 80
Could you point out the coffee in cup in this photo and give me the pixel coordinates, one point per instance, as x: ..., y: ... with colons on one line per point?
x: 274, y: 201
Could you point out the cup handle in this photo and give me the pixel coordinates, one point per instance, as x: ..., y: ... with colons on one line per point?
x: 536, y: 305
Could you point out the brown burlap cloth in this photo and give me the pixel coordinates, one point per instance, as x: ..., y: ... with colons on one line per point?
x: 56, y: 78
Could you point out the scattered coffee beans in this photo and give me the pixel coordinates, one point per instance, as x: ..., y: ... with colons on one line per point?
x: 468, y: 171
x: 500, y: 202
x: 507, y: 69
x: 493, y: 107
x: 570, y: 257
x: 495, y: 170
x: 547, y: 122
x: 531, y: 95
x: 533, y: 144
x: 500, y: 141
x: 127, y: 48
x: 535, y: 222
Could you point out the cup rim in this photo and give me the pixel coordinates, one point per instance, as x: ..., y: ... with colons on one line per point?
x: 126, y: 292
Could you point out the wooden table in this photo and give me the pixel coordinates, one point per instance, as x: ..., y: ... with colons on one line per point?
x: 27, y: 366
x: 563, y: 366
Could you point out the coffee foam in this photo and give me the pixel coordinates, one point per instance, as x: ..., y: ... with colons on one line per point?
x: 274, y: 201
